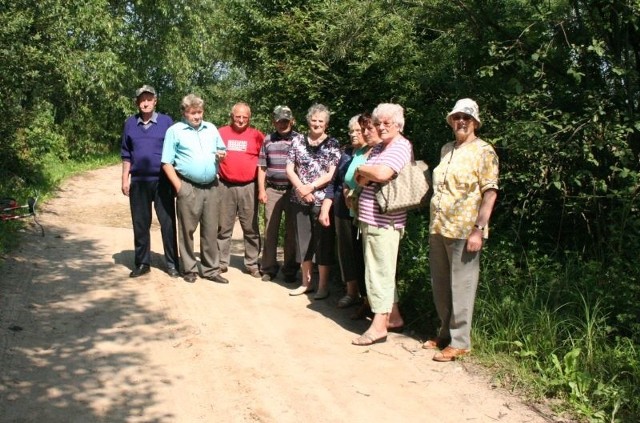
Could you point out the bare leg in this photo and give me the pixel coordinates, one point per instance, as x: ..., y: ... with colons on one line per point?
x: 395, y: 318
x: 377, y: 332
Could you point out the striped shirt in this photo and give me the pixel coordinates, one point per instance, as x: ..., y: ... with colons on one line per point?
x: 394, y: 155
x: 273, y: 157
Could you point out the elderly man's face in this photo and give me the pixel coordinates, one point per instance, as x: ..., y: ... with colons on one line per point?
x: 240, y: 118
x: 283, y: 126
x: 193, y: 116
x: 146, y: 103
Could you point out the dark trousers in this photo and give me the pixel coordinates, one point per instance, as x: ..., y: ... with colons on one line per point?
x: 141, y: 195
x: 350, y: 254
x: 314, y: 242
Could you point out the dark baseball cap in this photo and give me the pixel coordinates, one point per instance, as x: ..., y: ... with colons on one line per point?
x: 145, y: 89
x: 282, y: 113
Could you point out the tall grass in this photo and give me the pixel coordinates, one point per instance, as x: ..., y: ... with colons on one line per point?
x: 552, y: 328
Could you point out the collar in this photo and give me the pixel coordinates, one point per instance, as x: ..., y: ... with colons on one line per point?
x: 277, y: 136
x: 154, y: 118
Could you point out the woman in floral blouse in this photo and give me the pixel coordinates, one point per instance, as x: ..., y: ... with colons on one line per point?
x: 465, y: 186
x: 311, y: 164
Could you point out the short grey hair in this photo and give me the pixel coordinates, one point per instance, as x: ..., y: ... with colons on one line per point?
x: 354, y: 121
x: 390, y: 110
x: 190, y: 101
x: 318, y: 108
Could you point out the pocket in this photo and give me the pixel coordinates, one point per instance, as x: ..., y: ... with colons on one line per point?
x: 185, y: 189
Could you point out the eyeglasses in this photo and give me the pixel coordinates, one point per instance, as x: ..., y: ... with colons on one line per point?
x: 460, y: 116
x: 384, y: 124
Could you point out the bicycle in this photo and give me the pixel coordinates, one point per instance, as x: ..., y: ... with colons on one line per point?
x: 10, y: 209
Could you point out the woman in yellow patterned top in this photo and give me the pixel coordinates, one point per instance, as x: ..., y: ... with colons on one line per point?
x: 465, y: 187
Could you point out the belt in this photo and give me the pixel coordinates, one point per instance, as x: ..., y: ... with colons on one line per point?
x: 278, y: 187
x: 235, y: 184
x: 199, y: 185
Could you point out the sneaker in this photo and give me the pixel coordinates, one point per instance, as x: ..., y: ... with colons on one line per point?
x: 224, y: 269
x: 173, y: 272
x: 268, y: 277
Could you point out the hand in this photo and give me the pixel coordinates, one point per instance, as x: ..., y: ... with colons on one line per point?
x: 221, y: 154
x: 309, y: 198
x: 305, y: 190
x: 361, y: 180
x: 323, y: 218
x: 474, y: 242
x: 262, y: 196
x: 125, y: 188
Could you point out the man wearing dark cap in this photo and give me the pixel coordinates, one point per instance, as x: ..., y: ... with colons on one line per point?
x: 145, y: 184
x: 274, y: 190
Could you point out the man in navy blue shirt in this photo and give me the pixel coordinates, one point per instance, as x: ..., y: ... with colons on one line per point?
x: 145, y: 184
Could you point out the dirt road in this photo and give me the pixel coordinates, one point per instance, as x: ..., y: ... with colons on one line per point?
x: 82, y: 342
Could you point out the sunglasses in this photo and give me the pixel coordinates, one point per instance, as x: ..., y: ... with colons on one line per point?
x: 460, y: 116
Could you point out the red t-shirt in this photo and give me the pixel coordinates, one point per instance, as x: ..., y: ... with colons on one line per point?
x: 240, y: 166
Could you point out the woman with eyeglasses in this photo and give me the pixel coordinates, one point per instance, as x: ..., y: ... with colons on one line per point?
x: 311, y: 163
x: 348, y: 245
x: 465, y: 188
x: 381, y: 233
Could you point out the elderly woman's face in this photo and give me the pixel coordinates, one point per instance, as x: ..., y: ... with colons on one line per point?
x: 355, y: 135
x: 463, y: 125
x: 317, y: 124
x: 370, y: 133
x: 387, y: 128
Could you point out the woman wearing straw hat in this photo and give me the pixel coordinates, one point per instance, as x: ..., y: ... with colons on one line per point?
x: 465, y: 186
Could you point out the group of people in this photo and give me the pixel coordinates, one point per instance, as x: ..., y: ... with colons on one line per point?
x: 327, y: 197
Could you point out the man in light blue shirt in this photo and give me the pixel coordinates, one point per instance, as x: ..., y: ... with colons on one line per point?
x: 191, y: 154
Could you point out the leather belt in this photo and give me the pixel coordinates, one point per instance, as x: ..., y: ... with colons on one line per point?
x: 199, y: 185
x: 278, y: 187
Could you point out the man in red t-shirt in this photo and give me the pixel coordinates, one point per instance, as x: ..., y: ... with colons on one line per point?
x: 238, y: 189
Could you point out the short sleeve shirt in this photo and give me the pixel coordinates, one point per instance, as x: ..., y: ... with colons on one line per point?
x: 312, y: 162
x: 192, y: 151
x: 273, y: 157
x: 459, y: 182
x: 395, y: 155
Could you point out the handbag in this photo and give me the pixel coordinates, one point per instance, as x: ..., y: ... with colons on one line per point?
x: 407, y: 191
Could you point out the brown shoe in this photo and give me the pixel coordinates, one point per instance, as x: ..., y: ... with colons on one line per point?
x: 450, y: 354
x: 435, y: 344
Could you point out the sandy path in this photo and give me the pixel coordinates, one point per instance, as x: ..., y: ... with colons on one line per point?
x: 81, y: 342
